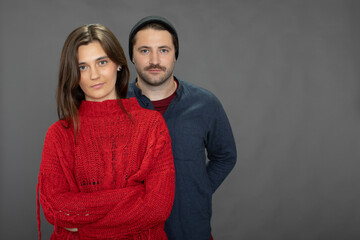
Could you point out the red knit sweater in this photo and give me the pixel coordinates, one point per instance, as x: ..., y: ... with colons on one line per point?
x: 117, y: 181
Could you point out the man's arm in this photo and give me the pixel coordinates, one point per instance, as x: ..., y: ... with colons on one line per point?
x: 221, y: 148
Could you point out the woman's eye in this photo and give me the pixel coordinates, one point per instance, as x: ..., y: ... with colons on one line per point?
x: 82, y: 68
x: 102, y: 62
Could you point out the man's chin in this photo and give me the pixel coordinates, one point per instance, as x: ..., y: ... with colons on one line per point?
x: 154, y: 82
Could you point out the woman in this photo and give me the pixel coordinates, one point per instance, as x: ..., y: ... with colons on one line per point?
x: 107, y: 169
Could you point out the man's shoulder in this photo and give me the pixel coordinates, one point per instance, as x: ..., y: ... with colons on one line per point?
x: 130, y: 92
x: 196, y: 92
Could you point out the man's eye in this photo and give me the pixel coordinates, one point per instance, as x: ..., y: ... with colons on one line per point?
x: 144, y: 51
x: 82, y: 68
x: 164, y: 51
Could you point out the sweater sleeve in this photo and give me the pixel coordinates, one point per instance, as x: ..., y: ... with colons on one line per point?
x: 62, y: 202
x: 221, y: 148
x: 153, y: 206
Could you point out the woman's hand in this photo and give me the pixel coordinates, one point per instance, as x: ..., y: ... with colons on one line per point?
x: 72, y: 229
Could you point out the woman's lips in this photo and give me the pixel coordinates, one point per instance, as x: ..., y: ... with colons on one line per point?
x: 96, y: 86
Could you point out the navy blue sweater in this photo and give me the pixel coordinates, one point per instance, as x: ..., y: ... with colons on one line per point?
x: 198, y: 128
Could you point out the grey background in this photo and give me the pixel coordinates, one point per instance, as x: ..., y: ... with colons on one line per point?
x: 286, y: 71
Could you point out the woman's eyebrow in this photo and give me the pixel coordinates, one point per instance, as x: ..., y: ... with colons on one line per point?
x: 99, y: 58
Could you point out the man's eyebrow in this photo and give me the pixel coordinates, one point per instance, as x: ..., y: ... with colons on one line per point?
x: 99, y: 58
x: 144, y: 46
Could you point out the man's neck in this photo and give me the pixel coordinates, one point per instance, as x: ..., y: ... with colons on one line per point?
x: 155, y: 93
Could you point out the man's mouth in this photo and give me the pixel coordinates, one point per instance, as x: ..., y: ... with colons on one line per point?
x: 155, y: 68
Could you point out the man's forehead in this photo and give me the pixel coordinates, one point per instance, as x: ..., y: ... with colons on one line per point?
x: 151, y: 36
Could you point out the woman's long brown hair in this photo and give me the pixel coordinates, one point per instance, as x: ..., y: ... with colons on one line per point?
x: 69, y: 93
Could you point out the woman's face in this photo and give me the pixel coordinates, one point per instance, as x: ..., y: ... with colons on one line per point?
x: 97, y: 73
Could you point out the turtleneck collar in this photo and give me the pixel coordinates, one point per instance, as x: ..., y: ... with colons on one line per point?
x: 90, y: 108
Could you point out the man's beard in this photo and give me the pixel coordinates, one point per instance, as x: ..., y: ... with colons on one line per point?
x: 155, y: 80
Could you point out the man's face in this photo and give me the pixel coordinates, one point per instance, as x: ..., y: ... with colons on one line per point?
x: 154, y: 56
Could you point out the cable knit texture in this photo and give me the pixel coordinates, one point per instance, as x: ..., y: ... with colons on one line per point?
x: 116, y: 181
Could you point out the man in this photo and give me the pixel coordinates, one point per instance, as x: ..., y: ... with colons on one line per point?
x: 197, y: 124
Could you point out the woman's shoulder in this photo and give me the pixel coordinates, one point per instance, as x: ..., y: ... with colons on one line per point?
x: 142, y: 114
x: 136, y: 108
x: 59, y: 128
